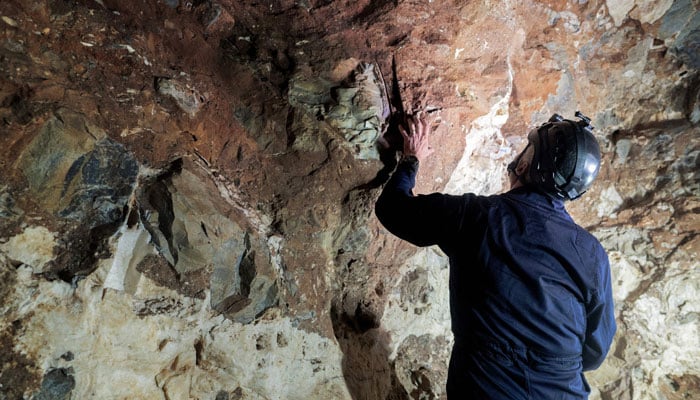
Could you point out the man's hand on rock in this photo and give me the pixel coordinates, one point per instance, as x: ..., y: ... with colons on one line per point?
x: 415, y: 131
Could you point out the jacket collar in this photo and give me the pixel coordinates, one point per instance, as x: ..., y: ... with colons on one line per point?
x: 537, y: 198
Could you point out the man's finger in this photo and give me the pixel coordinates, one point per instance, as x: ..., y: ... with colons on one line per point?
x: 403, y: 132
x: 412, y: 125
x: 424, y: 121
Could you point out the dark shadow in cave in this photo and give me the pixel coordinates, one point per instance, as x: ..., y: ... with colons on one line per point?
x: 369, y: 373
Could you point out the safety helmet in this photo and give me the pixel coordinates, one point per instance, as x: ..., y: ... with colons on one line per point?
x: 566, y: 158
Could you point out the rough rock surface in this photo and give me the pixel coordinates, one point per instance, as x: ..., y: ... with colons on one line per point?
x: 187, y: 189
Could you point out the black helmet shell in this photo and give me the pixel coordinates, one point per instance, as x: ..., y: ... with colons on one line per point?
x: 566, y: 160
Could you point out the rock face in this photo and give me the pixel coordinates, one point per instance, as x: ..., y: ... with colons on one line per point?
x: 186, y: 203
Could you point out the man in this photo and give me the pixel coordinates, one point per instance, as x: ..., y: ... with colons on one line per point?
x: 530, y: 291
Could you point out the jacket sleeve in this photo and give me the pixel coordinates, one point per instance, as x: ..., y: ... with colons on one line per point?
x: 600, y: 319
x: 423, y: 220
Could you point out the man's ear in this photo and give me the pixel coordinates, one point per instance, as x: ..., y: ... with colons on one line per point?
x: 525, y: 161
x: 522, y: 167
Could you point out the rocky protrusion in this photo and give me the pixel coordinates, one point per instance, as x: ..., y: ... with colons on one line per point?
x: 57, y: 385
x: 201, y: 247
x: 187, y: 98
x: 75, y: 171
x: 358, y: 107
x: 85, y: 178
x: 98, y: 184
x: 361, y: 109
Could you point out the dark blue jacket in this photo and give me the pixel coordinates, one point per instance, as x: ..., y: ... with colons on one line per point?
x: 530, y: 292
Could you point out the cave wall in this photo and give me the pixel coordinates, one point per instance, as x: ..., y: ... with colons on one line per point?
x: 186, y: 202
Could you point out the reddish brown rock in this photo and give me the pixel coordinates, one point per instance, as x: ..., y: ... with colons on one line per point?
x: 233, y: 145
